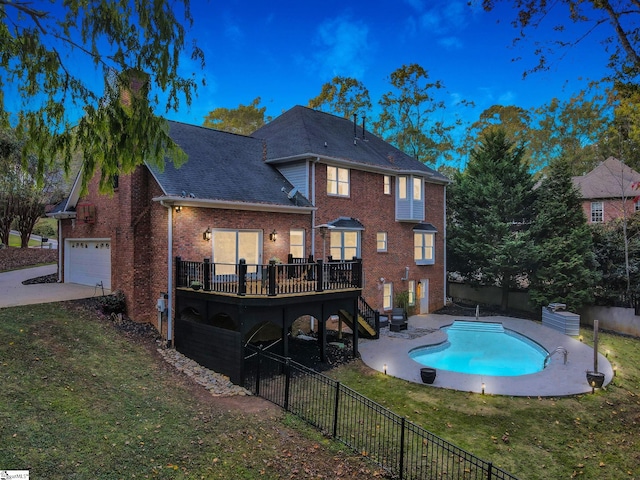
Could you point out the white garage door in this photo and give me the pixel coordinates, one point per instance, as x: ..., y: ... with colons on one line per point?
x: 88, y: 262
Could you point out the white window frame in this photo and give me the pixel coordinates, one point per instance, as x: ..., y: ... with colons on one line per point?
x: 337, y: 184
x: 597, y: 212
x: 412, y: 292
x: 402, y: 187
x: 297, y: 248
x: 381, y: 241
x: 387, y: 185
x: 230, y: 265
x: 424, y: 252
x: 337, y: 246
x: 387, y: 296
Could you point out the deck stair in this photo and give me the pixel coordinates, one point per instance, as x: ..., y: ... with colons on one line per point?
x: 364, y: 328
x: 477, y: 326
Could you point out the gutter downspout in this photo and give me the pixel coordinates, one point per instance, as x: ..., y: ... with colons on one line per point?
x: 60, y: 248
x: 445, y: 245
x: 313, y: 202
x: 169, y: 273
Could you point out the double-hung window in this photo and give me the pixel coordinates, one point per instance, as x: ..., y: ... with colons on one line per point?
x: 337, y: 181
x: 597, y: 212
x: 387, y: 185
x: 381, y: 241
x: 424, y: 247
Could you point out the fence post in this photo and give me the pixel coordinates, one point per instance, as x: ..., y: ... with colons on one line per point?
x: 287, y: 383
x: 178, y: 280
x: 207, y: 274
x: 258, y: 370
x: 271, y: 275
x: 242, y: 277
x: 489, y: 472
x: 335, y: 411
x: 402, y: 422
x: 319, y: 276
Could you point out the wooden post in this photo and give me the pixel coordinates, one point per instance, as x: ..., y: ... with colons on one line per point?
x: 595, y: 346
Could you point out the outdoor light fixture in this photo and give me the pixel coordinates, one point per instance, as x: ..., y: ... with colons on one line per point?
x: 606, y: 353
x: 384, y: 368
x: 207, y: 234
x: 178, y: 208
x: 615, y: 370
x: 483, y: 385
x: 580, y: 338
x: 273, y: 236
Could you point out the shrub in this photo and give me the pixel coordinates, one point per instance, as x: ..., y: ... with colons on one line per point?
x: 114, y: 303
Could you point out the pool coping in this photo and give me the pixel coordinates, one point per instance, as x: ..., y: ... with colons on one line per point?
x: 557, y: 379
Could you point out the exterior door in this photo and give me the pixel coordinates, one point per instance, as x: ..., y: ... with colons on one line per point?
x: 423, y: 295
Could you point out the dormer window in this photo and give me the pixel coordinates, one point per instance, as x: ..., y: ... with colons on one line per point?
x: 337, y: 181
x: 409, y: 198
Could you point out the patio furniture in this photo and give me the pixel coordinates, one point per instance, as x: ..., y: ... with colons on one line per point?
x: 398, y: 320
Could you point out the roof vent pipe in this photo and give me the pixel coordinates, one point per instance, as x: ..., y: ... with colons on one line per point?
x: 355, y: 124
x: 363, y: 129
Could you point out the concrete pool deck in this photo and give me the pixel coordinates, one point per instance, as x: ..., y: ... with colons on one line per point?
x: 557, y: 379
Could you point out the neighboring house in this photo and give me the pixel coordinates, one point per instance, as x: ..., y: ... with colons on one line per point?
x: 608, y: 191
x: 359, y: 220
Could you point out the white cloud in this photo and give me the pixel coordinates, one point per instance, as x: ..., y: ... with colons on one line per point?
x: 232, y: 29
x: 344, y: 48
x: 507, y: 98
x: 450, y: 42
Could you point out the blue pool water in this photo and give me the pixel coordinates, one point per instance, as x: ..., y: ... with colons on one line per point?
x: 483, y: 349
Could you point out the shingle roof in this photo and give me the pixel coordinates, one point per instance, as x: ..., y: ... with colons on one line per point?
x: 303, y: 131
x: 610, y: 179
x: 225, y: 167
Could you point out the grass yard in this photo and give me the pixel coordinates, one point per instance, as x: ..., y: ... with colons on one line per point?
x: 14, y: 241
x: 584, y: 436
x: 80, y: 399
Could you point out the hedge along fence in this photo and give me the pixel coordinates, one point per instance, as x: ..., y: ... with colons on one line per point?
x: 401, y: 447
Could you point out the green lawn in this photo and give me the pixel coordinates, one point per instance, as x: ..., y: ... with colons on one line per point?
x: 14, y: 241
x: 585, y: 436
x: 80, y: 400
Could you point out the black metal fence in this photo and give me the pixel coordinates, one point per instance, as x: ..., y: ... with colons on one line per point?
x: 401, y: 447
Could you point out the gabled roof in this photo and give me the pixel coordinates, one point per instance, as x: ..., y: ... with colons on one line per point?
x: 610, y: 179
x: 223, y: 167
x: 305, y: 133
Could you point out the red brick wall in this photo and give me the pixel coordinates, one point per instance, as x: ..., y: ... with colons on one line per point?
x: 376, y: 212
x: 613, y: 208
x: 138, y: 228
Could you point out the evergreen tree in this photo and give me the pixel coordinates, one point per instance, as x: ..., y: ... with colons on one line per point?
x: 491, y: 211
x: 566, y: 268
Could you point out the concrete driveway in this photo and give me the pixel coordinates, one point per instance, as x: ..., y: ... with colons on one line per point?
x: 14, y: 293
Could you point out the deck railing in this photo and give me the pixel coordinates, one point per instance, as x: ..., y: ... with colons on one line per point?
x: 271, y: 279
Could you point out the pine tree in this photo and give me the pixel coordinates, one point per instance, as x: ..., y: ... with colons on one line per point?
x: 566, y: 268
x: 491, y: 212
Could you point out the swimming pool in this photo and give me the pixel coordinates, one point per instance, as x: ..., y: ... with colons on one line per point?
x: 483, y: 348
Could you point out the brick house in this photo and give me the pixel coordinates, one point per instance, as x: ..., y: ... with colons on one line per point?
x: 307, y: 186
x: 608, y: 191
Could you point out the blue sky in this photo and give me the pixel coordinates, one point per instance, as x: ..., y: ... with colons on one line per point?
x: 284, y: 51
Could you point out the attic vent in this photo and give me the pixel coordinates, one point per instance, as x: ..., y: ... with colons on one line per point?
x: 86, y: 213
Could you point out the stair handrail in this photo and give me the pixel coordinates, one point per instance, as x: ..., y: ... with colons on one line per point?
x: 561, y: 350
x: 370, y: 315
